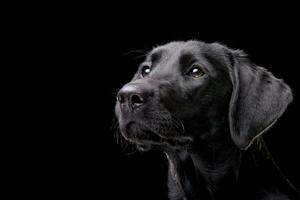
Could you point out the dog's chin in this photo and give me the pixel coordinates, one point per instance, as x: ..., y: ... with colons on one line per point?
x: 135, y: 134
x: 145, y: 147
x: 146, y: 140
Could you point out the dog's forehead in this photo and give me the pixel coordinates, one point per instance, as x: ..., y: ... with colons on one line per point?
x: 176, y: 48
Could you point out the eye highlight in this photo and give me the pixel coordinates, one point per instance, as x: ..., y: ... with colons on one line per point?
x: 195, y: 71
x: 146, y: 69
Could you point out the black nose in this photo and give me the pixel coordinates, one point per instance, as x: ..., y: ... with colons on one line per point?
x: 132, y: 96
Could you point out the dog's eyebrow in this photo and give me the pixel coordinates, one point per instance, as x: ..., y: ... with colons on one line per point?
x: 186, y: 59
x: 157, y: 55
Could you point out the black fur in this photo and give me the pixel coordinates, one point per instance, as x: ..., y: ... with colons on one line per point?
x: 204, y: 122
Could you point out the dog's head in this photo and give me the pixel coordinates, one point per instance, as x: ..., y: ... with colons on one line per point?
x: 187, y: 91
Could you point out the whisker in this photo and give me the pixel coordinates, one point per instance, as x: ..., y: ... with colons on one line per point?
x: 115, y: 129
x: 126, y: 147
x: 137, y: 51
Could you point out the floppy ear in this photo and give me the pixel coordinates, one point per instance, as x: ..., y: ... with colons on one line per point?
x: 258, y: 100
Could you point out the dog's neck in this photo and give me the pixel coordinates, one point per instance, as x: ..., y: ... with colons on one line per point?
x: 210, y: 168
x: 205, y: 170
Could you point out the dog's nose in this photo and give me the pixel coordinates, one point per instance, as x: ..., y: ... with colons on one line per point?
x: 133, y: 96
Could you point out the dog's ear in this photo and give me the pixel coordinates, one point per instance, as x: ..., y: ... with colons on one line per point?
x: 258, y: 100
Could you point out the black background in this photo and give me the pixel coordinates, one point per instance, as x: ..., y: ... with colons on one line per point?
x: 85, y: 56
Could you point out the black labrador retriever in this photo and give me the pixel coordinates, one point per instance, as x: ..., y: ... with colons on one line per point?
x: 204, y: 105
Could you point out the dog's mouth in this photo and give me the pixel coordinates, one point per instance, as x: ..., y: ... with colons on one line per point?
x: 147, y: 138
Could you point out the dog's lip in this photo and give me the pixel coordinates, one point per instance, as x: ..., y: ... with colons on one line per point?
x: 148, y: 137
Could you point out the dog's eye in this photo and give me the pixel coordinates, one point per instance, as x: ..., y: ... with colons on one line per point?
x: 146, y: 69
x: 195, y: 72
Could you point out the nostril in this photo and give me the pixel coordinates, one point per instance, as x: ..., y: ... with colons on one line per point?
x: 137, y: 99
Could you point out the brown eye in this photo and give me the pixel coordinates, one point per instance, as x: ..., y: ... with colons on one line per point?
x: 195, y: 72
x: 146, y: 69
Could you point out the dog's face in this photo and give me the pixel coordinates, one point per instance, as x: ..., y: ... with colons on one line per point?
x: 176, y: 85
x: 182, y: 92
